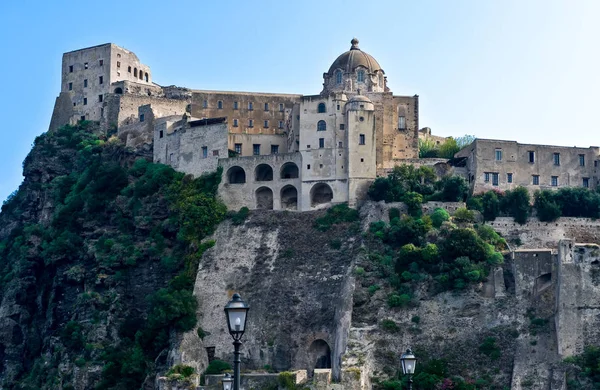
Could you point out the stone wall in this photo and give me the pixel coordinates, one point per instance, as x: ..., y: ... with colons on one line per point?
x: 536, y: 234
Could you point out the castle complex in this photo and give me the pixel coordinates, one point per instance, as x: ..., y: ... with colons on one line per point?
x: 287, y: 151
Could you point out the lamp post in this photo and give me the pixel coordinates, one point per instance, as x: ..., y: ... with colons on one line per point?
x: 409, y: 361
x: 236, y: 312
x: 227, y: 382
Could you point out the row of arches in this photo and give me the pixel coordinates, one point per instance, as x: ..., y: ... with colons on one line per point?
x: 319, y: 194
x: 262, y: 172
x: 142, y: 75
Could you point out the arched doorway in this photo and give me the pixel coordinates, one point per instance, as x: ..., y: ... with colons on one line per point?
x: 236, y: 175
x: 119, y: 90
x: 264, y: 198
x: 263, y: 172
x: 320, y: 193
x: 319, y: 354
x: 289, y: 198
x: 289, y: 170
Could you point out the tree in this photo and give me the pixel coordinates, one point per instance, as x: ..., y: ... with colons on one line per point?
x: 403, y: 179
x: 439, y: 216
x: 516, y: 203
x: 547, y: 208
x: 448, y: 148
x: 490, y: 205
x: 454, y: 188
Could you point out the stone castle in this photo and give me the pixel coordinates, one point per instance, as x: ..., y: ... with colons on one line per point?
x: 289, y: 151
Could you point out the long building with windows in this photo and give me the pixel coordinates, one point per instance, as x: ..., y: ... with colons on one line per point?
x: 504, y: 165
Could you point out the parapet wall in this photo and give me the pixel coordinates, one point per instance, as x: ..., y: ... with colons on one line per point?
x: 536, y: 234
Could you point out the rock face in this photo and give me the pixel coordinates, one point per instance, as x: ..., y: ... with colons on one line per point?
x: 539, y: 307
x: 298, y: 282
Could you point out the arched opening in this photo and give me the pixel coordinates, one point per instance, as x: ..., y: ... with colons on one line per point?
x: 289, y: 198
x: 119, y: 90
x: 263, y: 172
x: 236, y: 175
x: 321, y: 108
x: 141, y: 75
x: 338, y: 77
x: 321, y: 193
x: 319, y: 354
x: 146, y: 76
x: 264, y: 198
x: 321, y: 126
x: 289, y: 170
x: 134, y: 72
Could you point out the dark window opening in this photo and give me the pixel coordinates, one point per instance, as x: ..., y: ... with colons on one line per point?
x: 100, y: 98
x: 361, y: 139
x: 101, y: 80
x: 70, y: 68
x: 321, y: 126
x: 321, y: 108
x: 142, y: 117
x: 160, y: 134
x: 236, y: 175
x: 289, y: 170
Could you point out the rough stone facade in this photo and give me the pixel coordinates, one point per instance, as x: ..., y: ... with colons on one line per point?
x: 503, y: 165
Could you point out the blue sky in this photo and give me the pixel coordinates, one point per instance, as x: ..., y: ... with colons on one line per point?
x: 525, y: 70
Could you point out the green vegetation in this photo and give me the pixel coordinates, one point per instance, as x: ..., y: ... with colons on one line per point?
x: 428, y: 148
x: 588, y: 369
x: 489, y: 348
x: 337, y: 214
x: 216, y: 367
x: 181, y: 371
x: 239, y: 217
x: 112, y: 215
x: 515, y: 203
x: 438, y: 217
x: 567, y: 202
x: 390, y: 326
x: 414, y: 186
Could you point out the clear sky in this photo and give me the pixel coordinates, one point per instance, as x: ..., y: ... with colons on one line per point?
x: 524, y: 70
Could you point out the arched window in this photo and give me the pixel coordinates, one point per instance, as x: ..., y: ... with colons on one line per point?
x: 236, y: 175
x: 263, y: 172
x: 141, y: 75
x: 289, y: 170
x: 146, y: 75
x: 119, y: 90
x: 320, y: 193
x: 321, y: 108
x: 321, y: 126
x: 264, y: 198
x: 361, y: 76
x: 134, y: 72
x: 338, y: 76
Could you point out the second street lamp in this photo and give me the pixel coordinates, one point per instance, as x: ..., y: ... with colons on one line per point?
x: 227, y: 381
x: 409, y: 362
x: 236, y: 312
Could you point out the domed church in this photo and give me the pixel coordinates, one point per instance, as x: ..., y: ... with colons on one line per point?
x: 276, y: 151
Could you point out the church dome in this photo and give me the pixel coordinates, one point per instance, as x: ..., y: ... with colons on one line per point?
x: 353, y: 58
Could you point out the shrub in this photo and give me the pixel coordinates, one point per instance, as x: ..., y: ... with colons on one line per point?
x: 547, y: 208
x: 403, y: 179
x: 399, y: 300
x: 490, y: 205
x: 516, y: 204
x: 454, y: 188
x: 439, y: 216
x: 463, y: 214
x: 359, y: 271
x: 217, y: 367
x: 181, y: 369
x: 390, y: 326
x: 240, y: 217
x: 489, y: 348
x: 337, y: 214
x: 413, y: 202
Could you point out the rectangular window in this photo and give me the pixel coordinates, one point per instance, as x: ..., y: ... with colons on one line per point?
x: 235, y: 123
x: 220, y: 104
x: 142, y: 117
x: 83, y: 117
x: 556, y: 158
x: 340, y: 144
x: 70, y: 68
x: 238, y: 148
x: 215, y: 153
x: 342, y: 126
x: 361, y: 139
x: 536, y: 180
x: 509, y: 177
x: 204, y: 152
x: 554, y: 181
x: 101, y: 80
x: 486, y: 177
x: 118, y: 64
x: 266, y: 106
x: 235, y: 105
x: 256, y: 149
x: 161, y: 134
x: 100, y: 98
x: 101, y: 62
x: 281, y: 124
x: 586, y: 182
x: 85, y: 83
x: 401, y: 123
x: 280, y: 106
x: 250, y: 123
x: 307, y: 146
x: 274, y: 149
x: 171, y: 157
x: 70, y: 86
x: 85, y: 66
x: 494, y: 179
x: 85, y: 101
x: 321, y: 143
x: 102, y: 112
x: 338, y: 107
x: 266, y: 124
x: 307, y: 166
x: 531, y: 155
x: 250, y: 106
x: 498, y: 154
x: 582, y: 160
x: 205, y: 104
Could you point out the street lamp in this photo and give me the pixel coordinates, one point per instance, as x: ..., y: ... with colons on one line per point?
x: 236, y: 312
x: 409, y: 361
x: 227, y: 381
